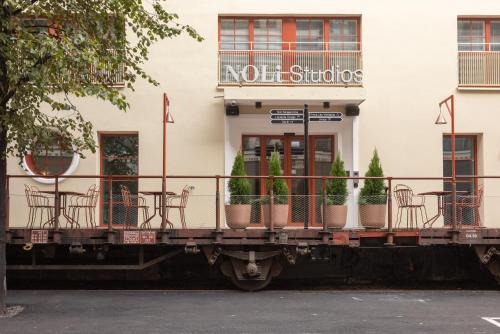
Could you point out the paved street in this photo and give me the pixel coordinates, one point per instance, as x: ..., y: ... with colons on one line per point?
x: 264, y: 312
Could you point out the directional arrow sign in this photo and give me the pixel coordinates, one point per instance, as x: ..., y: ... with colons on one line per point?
x: 325, y: 116
x: 286, y: 112
x: 287, y: 116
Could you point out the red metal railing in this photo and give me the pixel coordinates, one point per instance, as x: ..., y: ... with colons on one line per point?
x: 319, y: 197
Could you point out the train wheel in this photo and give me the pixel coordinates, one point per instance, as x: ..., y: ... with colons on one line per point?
x: 250, y: 276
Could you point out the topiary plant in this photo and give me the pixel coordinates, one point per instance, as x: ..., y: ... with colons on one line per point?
x: 280, y: 189
x: 239, y: 189
x: 373, y: 191
x: 336, y: 189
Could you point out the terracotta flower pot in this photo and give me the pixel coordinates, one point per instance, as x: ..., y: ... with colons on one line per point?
x: 238, y: 215
x: 280, y: 213
x: 335, y: 215
x: 372, y: 215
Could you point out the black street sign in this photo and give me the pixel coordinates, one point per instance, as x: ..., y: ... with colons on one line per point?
x: 287, y: 116
x: 286, y: 112
x: 325, y: 116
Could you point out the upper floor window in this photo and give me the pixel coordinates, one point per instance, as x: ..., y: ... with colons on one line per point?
x: 478, y: 35
x: 344, y: 35
x: 309, y: 34
x: 267, y: 34
x: 234, y: 34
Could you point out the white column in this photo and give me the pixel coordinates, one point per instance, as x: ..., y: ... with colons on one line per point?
x: 353, y: 221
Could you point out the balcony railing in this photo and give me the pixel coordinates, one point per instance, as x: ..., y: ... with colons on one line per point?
x: 111, y: 76
x: 290, y: 66
x: 479, y: 69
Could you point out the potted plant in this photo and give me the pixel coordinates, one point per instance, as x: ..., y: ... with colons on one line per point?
x: 372, y: 198
x: 335, y: 210
x: 280, y: 195
x: 238, y: 210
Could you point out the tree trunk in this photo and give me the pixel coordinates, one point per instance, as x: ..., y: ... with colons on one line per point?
x: 3, y: 220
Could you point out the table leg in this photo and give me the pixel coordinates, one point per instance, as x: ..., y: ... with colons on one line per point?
x: 146, y: 222
x: 433, y: 219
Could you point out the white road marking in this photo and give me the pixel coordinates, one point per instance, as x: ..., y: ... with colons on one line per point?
x: 494, y: 321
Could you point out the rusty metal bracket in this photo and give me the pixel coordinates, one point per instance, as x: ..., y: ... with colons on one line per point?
x: 212, y: 258
x: 191, y: 248
x: 303, y: 248
x: 492, y: 251
x: 289, y: 256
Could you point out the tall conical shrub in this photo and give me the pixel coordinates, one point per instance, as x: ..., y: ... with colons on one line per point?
x: 280, y: 189
x: 239, y: 189
x: 336, y: 189
x: 373, y: 191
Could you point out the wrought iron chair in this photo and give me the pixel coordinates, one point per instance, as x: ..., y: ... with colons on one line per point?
x: 134, y: 202
x: 471, y: 202
x: 180, y: 202
x: 406, y: 200
x: 38, y: 203
x: 88, y: 203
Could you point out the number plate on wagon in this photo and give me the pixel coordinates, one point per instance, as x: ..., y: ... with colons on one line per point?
x: 39, y: 236
x: 139, y: 237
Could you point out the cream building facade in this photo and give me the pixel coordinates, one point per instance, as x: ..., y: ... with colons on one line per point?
x: 396, y: 60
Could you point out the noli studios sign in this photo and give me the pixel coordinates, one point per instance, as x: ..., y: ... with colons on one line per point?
x: 297, y: 74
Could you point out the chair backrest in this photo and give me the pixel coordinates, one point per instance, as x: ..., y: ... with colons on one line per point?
x: 125, y: 195
x: 29, y: 197
x: 186, y: 191
x: 95, y: 196
x: 478, y: 199
x: 403, y: 195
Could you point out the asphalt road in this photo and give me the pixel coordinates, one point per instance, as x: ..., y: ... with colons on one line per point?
x: 229, y: 311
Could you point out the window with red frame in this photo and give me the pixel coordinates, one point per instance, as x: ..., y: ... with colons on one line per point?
x: 267, y: 34
x: 478, y: 35
x: 52, y: 159
x: 343, y: 35
x: 234, y: 34
x: 245, y: 33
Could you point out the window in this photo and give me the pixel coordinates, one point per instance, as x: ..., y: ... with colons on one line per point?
x: 234, y: 34
x: 343, y: 35
x: 119, y: 156
x: 471, y: 35
x: 465, y: 161
x: 53, y: 157
x: 267, y: 34
x: 309, y: 34
x: 495, y: 35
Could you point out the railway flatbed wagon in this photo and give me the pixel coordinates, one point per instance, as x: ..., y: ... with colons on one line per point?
x: 66, y: 232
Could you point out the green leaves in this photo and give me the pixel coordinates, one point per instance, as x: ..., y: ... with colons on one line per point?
x: 280, y: 189
x: 373, y: 191
x: 239, y: 189
x: 336, y: 189
x: 72, y: 49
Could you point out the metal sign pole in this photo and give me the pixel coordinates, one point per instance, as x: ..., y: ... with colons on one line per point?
x: 306, y: 166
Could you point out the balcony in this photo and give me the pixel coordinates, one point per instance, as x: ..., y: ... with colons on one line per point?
x: 290, y: 67
x: 479, y: 69
x: 113, y: 77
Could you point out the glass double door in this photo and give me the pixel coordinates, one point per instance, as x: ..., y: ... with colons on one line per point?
x: 291, y: 149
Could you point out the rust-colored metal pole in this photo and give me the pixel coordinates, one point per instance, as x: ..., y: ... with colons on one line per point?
x: 217, y: 204
x: 453, y: 169
x: 57, y: 204
x: 323, y: 210
x: 271, y: 204
x: 110, y: 204
x: 166, y: 104
x: 390, y: 233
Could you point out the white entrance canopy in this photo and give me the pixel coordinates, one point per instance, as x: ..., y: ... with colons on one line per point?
x: 336, y: 96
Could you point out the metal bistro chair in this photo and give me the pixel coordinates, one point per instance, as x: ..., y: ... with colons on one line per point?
x: 37, y: 202
x: 86, y: 202
x: 406, y: 200
x: 180, y: 202
x: 471, y: 202
x: 134, y: 202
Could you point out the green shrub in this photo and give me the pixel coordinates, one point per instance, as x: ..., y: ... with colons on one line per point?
x: 373, y: 191
x: 280, y: 189
x: 239, y: 189
x: 336, y: 189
